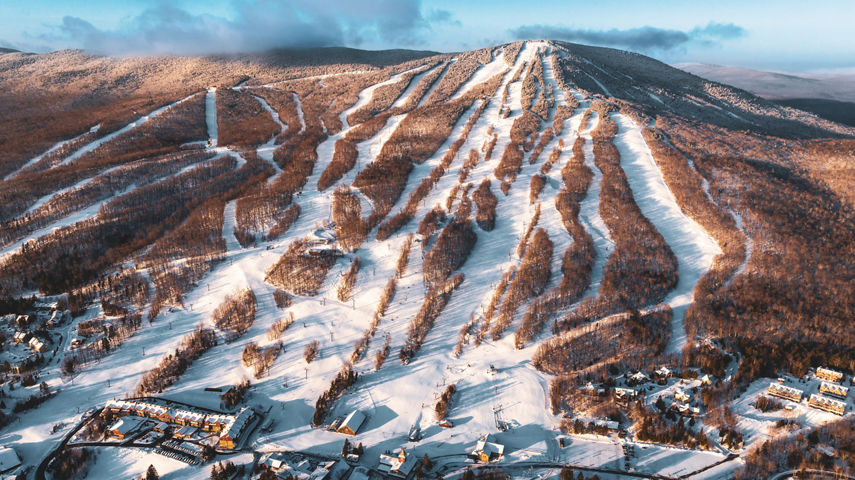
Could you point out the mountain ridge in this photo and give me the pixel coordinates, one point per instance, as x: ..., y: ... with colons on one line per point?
x: 519, y: 221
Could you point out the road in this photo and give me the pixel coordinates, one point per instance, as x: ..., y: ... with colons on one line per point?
x: 790, y: 473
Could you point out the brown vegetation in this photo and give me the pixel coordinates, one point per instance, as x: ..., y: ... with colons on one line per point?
x: 241, y: 120
x: 348, y: 280
x: 235, y: 314
x: 192, y: 346
x: 529, y: 282
x: 300, y: 270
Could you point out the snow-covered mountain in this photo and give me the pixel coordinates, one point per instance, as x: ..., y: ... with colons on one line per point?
x: 357, y: 230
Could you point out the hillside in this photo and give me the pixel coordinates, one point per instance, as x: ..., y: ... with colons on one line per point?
x: 351, y: 230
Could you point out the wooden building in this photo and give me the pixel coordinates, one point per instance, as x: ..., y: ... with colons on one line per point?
x: 827, y: 404
x: 351, y: 423
x: 783, y: 391
x: 833, y: 389
x: 828, y: 374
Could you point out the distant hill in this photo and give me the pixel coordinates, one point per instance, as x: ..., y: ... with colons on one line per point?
x: 8, y: 50
x: 779, y: 85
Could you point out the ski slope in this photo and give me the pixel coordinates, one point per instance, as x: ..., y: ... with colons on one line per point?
x: 694, y: 248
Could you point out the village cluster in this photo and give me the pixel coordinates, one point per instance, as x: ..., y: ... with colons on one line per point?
x: 27, y: 338
x: 185, y: 433
x: 830, y: 385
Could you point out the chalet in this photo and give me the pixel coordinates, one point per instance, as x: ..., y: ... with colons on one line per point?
x: 682, y: 396
x: 186, y: 431
x: 822, y: 403
x: 625, y: 395
x: 688, y: 411
x: 828, y: 374
x: 124, y: 427
x: 783, y: 391
x: 639, y: 378
x: 301, y: 470
x: 187, y: 417
x: 351, y: 423
x: 593, y: 391
x: 400, y: 465
x: 706, y: 380
x: 9, y: 460
x: 486, y: 450
x: 236, y: 428
x: 161, y: 427
x: 22, y: 337
x: 662, y: 372
x: 833, y: 389
x: 609, y: 425
x: 23, y: 321
x: 216, y: 423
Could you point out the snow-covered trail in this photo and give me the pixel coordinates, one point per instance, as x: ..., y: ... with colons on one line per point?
x: 749, y: 246
x: 437, y: 81
x: 266, y: 151
x: 229, y: 223
x: 299, y: 105
x: 87, y: 212
x: 52, y: 149
x: 694, y: 248
x: 414, y: 82
x: 551, y: 218
x: 211, y: 116
x: 394, y: 409
x: 136, y: 123
x: 737, y: 219
x: 484, y: 72
x: 589, y: 213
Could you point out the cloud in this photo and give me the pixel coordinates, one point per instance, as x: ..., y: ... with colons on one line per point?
x: 256, y: 25
x: 641, y: 38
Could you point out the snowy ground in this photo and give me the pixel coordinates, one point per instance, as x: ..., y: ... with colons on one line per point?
x: 694, y: 248
x: 396, y: 396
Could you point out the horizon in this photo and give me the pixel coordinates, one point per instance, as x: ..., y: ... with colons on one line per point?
x: 754, y: 36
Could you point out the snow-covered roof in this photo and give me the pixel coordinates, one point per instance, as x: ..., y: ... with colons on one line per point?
x: 126, y: 425
x: 833, y: 388
x: 819, y: 399
x: 486, y: 446
x: 829, y: 374
x: 353, y: 421
x: 778, y: 388
x: 8, y: 459
x: 234, y: 429
x: 625, y: 392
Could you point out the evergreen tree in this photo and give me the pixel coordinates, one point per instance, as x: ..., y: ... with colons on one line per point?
x: 151, y: 473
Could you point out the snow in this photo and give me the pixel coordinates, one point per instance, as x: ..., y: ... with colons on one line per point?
x: 299, y: 112
x: 136, y: 123
x: 266, y: 151
x: 211, y: 115
x: 52, y: 149
x: 438, y: 81
x: 694, y: 248
x: 396, y: 396
x: 602, y: 87
x: 589, y: 213
x: 749, y: 246
x: 405, y: 96
x: 484, y: 72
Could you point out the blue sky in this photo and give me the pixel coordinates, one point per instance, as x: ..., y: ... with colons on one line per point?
x: 781, y: 34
